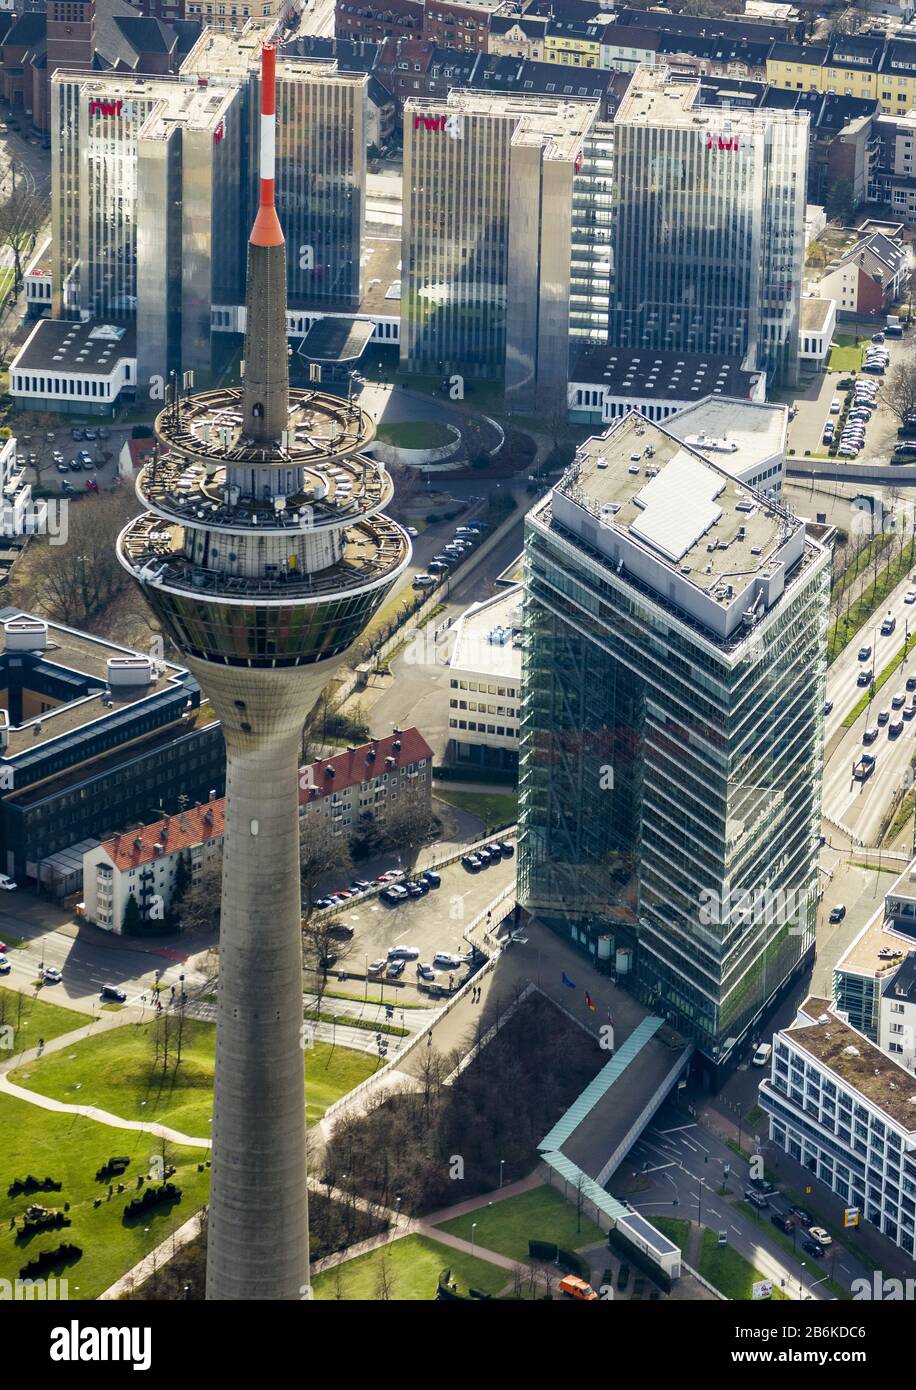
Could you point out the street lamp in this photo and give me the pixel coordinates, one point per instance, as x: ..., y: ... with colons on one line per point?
x: 502, y: 1164
x: 473, y: 1229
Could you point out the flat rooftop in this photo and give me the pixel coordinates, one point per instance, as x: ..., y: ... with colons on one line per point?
x: 655, y: 98
x: 381, y: 266
x: 666, y: 496
x: 815, y: 314
x: 740, y: 434
x: 488, y: 637
x: 90, y: 349
x: 648, y: 374
x: 858, y: 1062
x: 192, y: 108
x: 83, y: 659
x: 226, y: 54
x: 557, y: 124
x: 879, y: 947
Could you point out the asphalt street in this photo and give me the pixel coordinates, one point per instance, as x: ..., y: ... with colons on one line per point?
x: 685, y: 1171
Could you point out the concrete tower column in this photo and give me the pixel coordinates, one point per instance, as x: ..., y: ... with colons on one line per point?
x: 260, y: 1248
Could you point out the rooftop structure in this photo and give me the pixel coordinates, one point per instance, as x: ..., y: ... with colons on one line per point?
x: 746, y: 437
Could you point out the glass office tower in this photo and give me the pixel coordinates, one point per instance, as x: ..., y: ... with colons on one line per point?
x: 492, y: 188
x: 321, y: 179
x: 674, y: 667
x: 709, y: 226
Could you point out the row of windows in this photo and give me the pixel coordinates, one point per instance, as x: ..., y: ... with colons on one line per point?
x: 481, y: 688
x: 475, y: 728
x: 67, y: 386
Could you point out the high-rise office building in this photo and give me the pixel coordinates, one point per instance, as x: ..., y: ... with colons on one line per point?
x: 489, y: 208
x: 263, y: 552
x: 670, y: 760
x: 708, y: 233
x: 154, y: 181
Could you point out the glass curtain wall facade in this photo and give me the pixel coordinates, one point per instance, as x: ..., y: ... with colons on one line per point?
x: 591, y: 259
x: 665, y: 782
x: 709, y: 235
x: 320, y: 182
x: 455, y: 241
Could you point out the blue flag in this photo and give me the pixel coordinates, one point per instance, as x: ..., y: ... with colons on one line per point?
x: 567, y: 981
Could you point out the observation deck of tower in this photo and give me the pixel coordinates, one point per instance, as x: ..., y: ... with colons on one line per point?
x: 263, y: 550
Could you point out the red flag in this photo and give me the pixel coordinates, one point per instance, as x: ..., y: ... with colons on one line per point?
x: 589, y: 1000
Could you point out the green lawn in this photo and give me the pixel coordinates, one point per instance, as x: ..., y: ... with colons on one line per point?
x: 71, y: 1149
x: 415, y: 434
x: 414, y: 1266
x: 118, y: 1072
x: 845, y: 354
x: 728, y: 1271
x: 495, y: 809
x: 32, y: 1018
x: 541, y: 1214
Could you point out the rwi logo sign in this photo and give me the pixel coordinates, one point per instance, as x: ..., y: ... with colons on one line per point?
x: 105, y: 108
x: 450, y: 125
x: 726, y: 143
x: 218, y: 133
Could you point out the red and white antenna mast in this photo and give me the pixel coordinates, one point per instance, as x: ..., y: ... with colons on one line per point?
x: 266, y: 230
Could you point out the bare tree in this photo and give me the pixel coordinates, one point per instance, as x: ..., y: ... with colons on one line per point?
x: 409, y: 824
x: 323, y: 944
x: 79, y: 581
x: 899, y: 390
x: 199, y: 907
x: 384, y: 1280
x: 321, y: 853
x: 22, y: 217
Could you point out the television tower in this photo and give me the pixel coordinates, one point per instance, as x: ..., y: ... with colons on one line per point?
x: 263, y: 551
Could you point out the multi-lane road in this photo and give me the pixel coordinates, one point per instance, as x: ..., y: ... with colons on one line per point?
x: 862, y: 806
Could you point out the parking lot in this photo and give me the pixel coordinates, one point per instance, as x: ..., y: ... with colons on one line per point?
x: 42, y: 451
x: 432, y: 923
x: 813, y: 407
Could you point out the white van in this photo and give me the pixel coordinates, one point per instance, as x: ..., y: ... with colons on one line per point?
x: 762, y: 1055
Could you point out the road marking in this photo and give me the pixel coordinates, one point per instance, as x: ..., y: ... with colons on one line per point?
x: 677, y: 1129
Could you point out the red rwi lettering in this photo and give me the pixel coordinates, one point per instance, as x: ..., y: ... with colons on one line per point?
x: 429, y: 122
x: 105, y: 108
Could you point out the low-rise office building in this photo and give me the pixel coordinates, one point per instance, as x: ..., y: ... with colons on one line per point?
x: 93, y: 737
x: 81, y: 368
x: 607, y: 382
x: 746, y: 437
x: 485, y: 678
x: 816, y: 327
x: 844, y: 1110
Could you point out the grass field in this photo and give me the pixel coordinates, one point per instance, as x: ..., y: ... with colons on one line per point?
x: 728, y: 1271
x: 32, y: 1018
x: 845, y: 359
x: 495, y: 809
x: 415, y: 434
x: 117, y: 1071
x: 541, y: 1214
x: 71, y: 1149
x: 414, y: 1265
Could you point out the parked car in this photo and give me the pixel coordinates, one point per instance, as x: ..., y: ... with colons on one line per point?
x: 803, y: 1216
x: 762, y: 1054
x: 394, y: 893
x: 5, y: 966
x: 52, y: 976
x: 395, y: 969
x: 423, y: 581
x: 375, y: 968
x: 342, y: 930
x: 813, y: 1247
x: 471, y: 861
x: 91, y: 485
x: 485, y: 856
x: 782, y: 1222
x: 756, y: 1199
x: 431, y: 878
x: 425, y: 972
x: 113, y: 993
x: 447, y: 960
x: 84, y: 456
x: 76, y: 434
x: 62, y: 468
x: 820, y: 1235
x: 838, y: 912
x: 361, y: 885
x: 505, y: 848
x: 762, y: 1185
x: 7, y: 883
x: 835, y: 406
x: 415, y: 889
x: 403, y: 953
